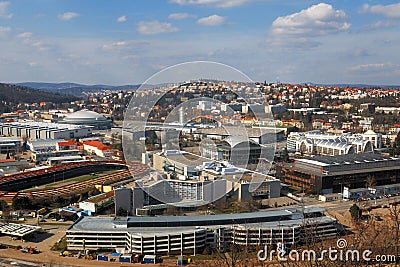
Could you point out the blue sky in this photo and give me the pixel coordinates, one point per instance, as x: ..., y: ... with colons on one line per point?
x: 125, y: 41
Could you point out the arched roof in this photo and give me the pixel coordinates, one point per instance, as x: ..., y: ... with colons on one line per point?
x: 85, y: 115
x: 233, y: 141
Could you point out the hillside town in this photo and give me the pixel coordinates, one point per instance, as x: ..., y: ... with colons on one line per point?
x: 239, y: 156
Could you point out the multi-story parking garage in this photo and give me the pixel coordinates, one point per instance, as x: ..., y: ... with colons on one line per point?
x: 166, y: 235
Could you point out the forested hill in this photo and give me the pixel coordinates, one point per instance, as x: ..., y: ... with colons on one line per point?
x: 20, y: 94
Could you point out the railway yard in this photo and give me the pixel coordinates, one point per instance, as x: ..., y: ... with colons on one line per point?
x: 57, y: 181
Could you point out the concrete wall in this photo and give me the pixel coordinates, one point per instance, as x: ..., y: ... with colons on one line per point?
x: 129, y: 199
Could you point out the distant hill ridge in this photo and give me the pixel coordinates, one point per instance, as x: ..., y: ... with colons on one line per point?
x: 21, y: 94
x: 75, y: 88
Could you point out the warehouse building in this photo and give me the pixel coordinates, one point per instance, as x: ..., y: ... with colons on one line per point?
x: 169, y: 235
x: 40, y: 130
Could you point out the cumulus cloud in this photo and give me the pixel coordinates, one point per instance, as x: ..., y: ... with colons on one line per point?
x: 317, y: 20
x: 154, y: 27
x: 180, y: 16
x: 121, y: 19
x: 217, y: 3
x: 68, y: 16
x: 4, y: 10
x: 213, y: 20
x: 389, y: 11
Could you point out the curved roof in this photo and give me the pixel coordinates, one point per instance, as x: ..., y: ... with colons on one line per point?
x: 236, y: 140
x: 370, y: 132
x: 85, y: 115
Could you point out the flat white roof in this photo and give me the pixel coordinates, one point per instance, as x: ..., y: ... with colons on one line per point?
x: 310, y: 161
x: 44, y: 125
x: 20, y: 230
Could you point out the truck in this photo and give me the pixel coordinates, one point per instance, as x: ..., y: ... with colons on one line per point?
x: 30, y: 250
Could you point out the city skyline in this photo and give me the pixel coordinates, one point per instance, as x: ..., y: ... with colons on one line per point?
x: 126, y: 42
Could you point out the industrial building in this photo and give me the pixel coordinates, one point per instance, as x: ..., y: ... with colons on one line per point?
x: 10, y: 145
x: 169, y: 235
x: 260, y: 135
x: 329, y: 174
x: 53, y: 150
x: 96, y: 203
x: 40, y: 130
x: 234, y: 150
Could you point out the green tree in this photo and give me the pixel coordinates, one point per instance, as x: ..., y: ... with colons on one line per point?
x: 20, y: 203
x: 355, y: 212
x: 285, y: 155
x: 3, y: 205
x: 122, y: 212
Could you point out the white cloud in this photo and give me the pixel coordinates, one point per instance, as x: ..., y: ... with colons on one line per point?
x: 389, y: 11
x: 378, y: 25
x: 33, y: 64
x: 4, y: 31
x: 25, y: 35
x: 155, y: 27
x: 217, y: 3
x: 317, y: 20
x: 68, y: 16
x: 121, y: 19
x: 4, y: 12
x: 371, y: 67
x: 213, y: 20
x: 180, y: 16
x: 115, y: 46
